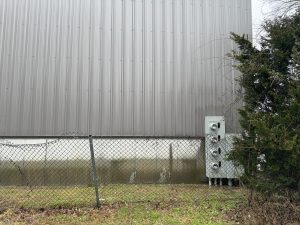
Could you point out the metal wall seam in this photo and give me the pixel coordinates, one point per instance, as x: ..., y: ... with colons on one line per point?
x: 117, y: 67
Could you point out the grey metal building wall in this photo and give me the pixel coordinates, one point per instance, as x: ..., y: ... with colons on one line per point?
x: 117, y: 67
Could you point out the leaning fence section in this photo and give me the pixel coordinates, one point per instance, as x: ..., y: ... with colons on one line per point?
x: 70, y: 172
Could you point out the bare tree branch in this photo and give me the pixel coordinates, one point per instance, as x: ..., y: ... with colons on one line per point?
x: 284, y: 7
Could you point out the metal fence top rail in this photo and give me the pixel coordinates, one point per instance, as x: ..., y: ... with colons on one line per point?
x: 101, y: 137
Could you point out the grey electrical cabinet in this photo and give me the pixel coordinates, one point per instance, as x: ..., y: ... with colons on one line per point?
x: 218, y: 145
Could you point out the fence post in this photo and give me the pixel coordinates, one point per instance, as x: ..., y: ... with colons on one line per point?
x: 171, y: 162
x: 45, y: 163
x: 95, y: 177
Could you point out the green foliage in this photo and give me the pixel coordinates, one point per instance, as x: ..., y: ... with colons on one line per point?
x: 270, y: 117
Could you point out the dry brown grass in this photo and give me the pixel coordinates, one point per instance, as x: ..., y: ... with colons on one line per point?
x: 267, y: 211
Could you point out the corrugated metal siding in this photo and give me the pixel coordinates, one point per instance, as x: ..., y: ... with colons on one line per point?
x: 117, y: 67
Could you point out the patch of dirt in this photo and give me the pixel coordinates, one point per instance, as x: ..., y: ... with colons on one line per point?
x: 165, y: 206
x: 265, y: 212
x: 31, y: 216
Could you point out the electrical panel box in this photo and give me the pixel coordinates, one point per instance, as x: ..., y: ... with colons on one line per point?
x: 214, y: 126
x: 232, y: 171
x: 218, y: 145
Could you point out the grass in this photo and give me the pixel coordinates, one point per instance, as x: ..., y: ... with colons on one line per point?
x: 121, y: 204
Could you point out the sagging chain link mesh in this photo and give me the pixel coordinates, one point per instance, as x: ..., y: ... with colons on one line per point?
x: 59, y: 172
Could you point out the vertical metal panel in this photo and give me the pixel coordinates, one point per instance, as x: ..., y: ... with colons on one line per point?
x: 117, y: 67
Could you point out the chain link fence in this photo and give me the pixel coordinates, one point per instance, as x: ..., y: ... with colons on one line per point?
x: 73, y: 172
